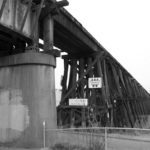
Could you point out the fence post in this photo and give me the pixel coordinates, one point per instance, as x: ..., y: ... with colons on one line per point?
x: 44, y: 138
x: 105, y: 138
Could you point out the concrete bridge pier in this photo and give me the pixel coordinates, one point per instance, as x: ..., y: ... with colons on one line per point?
x: 27, y: 99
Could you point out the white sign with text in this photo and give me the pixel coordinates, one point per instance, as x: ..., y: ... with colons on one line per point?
x: 78, y: 102
x: 95, y: 82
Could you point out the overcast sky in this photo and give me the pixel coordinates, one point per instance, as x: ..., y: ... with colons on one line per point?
x: 123, y: 28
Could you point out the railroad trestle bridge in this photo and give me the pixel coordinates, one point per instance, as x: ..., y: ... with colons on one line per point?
x: 27, y: 76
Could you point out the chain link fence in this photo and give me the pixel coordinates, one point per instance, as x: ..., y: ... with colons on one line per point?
x: 97, y: 139
x: 128, y: 139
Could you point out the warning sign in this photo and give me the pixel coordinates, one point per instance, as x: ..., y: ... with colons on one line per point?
x: 95, y: 83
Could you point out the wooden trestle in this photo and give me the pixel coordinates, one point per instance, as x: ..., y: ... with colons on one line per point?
x: 120, y: 102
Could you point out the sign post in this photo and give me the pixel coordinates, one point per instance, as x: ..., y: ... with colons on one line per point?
x: 44, y: 139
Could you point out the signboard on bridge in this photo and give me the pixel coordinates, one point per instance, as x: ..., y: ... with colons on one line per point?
x: 78, y: 102
x: 95, y: 83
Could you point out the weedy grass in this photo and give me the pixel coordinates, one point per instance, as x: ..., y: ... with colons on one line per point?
x: 67, y: 146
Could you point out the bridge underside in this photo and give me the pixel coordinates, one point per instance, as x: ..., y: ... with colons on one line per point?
x: 121, y: 101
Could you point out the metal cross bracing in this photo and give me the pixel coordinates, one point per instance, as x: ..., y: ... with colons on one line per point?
x: 120, y: 102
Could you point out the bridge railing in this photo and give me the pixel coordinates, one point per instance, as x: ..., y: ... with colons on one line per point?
x: 107, y: 138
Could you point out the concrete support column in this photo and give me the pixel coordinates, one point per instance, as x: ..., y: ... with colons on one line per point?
x: 27, y: 98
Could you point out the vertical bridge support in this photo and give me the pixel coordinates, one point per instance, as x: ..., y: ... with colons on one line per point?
x: 27, y: 98
x: 27, y: 94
